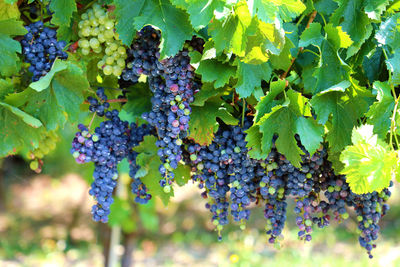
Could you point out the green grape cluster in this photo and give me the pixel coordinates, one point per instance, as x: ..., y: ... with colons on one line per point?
x: 98, y: 35
x: 47, y: 143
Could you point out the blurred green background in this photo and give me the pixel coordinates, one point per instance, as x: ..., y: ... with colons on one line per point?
x: 45, y: 221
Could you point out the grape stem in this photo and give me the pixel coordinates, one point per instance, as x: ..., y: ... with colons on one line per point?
x: 119, y: 100
x: 91, y: 121
x: 311, y: 19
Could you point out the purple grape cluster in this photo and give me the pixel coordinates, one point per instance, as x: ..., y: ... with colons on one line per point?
x: 41, y: 48
x: 99, y: 105
x: 224, y: 166
x: 105, y: 148
x: 173, y: 86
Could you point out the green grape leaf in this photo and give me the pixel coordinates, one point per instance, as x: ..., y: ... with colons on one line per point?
x: 230, y: 34
x: 331, y: 72
x: 203, y: 123
x: 284, y: 59
x: 139, y: 102
x: 45, y: 81
x: 374, y: 8
x: 280, y: 121
x: 62, y: 11
x: 290, y: 9
x: 269, y: 10
x: 207, y: 91
x: 59, y: 95
x: 344, y: 111
x: 12, y: 27
x: 149, y: 162
x: 337, y: 36
x: 253, y: 139
x: 125, y: 10
x: 172, y: 21
x: 246, y: 36
x: 267, y: 102
x: 8, y: 56
x: 372, y: 65
x: 6, y: 88
x: 284, y: 120
x: 121, y: 215
x: 325, y: 7
x: 369, y: 163
x: 310, y: 133
x: 182, y: 174
x: 380, y: 112
x: 265, y: 10
x: 202, y: 11
x: 8, y: 10
x: 19, y: 130
x: 389, y: 32
x: 353, y: 22
x: 311, y: 35
x: 250, y: 77
x: 393, y: 65
x: 213, y: 70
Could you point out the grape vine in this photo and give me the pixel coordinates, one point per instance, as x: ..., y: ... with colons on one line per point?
x: 301, y: 103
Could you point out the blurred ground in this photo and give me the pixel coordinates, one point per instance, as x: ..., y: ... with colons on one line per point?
x: 46, y: 222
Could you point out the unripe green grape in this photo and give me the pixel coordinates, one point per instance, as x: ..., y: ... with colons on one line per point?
x: 86, y: 31
x: 108, y: 34
x: 95, y: 31
x: 129, y: 65
x: 113, y: 46
x: 80, y: 24
x: 93, y: 22
x: 38, y: 153
x: 122, y: 50
x: 34, y: 165
x: 85, y: 51
x: 116, y: 55
x: 121, y: 62
x: 99, y: 13
x: 90, y: 14
x: 102, y: 28
x: 97, y: 50
x: 117, y: 70
x: 109, y: 24
x: 103, y: 20
x: 109, y: 60
x: 108, y: 51
x: 83, y: 43
x: 100, y: 64
x: 45, y: 149
x: 84, y: 16
x: 94, y: 43
x: 108, y: 70
x: 101, y: 38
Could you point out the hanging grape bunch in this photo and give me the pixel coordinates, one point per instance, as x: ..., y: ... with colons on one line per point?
x: 41, y: 48
x: 97, y: 33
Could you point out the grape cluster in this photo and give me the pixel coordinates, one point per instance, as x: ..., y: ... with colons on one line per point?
x: 143, y: 56
x: 173, y: 86
x: 97, y: 33
x: 224, y: 166
x: 369, y: 208
x: 272, y: 191
x: 47, y: 143
x: 105, y: 148
x: 41, y: 48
